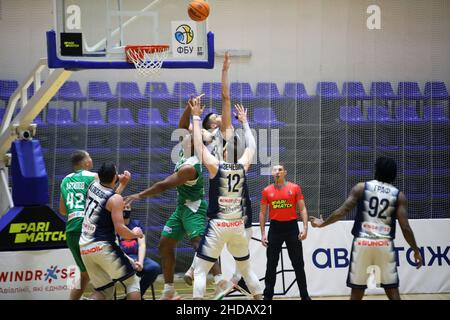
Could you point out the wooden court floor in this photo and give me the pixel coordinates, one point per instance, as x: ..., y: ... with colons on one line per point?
x: 185, y: 292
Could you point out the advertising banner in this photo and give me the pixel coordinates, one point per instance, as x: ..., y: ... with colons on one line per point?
x: 37, y: 275
x: 326, y: 253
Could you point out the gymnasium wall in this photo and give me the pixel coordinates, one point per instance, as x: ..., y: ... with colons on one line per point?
x: 300, y: 40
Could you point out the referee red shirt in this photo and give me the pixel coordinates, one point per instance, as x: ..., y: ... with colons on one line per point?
x: 282, y: 202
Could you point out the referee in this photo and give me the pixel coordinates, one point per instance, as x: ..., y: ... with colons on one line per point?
x: 282, y: 198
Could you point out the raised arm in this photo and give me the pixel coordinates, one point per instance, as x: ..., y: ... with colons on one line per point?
x: 226, y: 100
x: 211, y: 163
x: 356, y: 193
x: 408, y: 234
x: 124, y: 179
x: 250, y: 143
x: 115, y: 206
x: 185, y: 117
x: 178, y: 178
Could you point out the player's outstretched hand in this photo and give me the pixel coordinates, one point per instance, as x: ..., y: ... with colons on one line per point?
x: 195, y: 105
x: 241, y: 114
x: 138, y: 232
x: 129, y: 199
x: 316, y: 222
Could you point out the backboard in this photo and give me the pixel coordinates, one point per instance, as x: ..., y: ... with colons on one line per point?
x: 93, y: 34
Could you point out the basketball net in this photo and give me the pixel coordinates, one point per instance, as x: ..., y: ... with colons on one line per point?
x: 147, y: 60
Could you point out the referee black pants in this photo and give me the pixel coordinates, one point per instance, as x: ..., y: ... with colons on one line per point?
x: 280, y: 232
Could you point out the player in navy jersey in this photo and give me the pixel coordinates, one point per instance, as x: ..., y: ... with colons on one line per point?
x: 225, y: 208
x: 379, y: 204
x: 105, y: 262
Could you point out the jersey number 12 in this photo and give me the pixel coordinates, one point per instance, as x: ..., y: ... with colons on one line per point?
x: 233, y: 181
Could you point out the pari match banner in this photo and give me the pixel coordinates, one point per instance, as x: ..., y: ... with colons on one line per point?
x: 326, y: 253
x: 32, y: 228
x: 34, y: 260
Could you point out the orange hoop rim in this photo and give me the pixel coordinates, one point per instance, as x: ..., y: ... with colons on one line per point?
x: 147, y: 47
x: 139, y: 49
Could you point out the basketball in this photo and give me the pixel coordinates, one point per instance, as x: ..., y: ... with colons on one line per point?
x: 198, y: 10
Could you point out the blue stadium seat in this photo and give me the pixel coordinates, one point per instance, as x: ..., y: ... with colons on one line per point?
x: 415, y: 190
x: 436, y: 114
x: 100, y: 91
x: 174, y: 115
x: 378, y: 114
x: 407, y: 114
x: 354, y: 90
x: 436, y: 90
x: 264, y: 117
x: 415, y: 140
x: 60, y: 117
x: 441, y: 139
x: 441, y: 191
x: 355, y: 143
x: 90, y: 117
x: 328, y: 90
x: 120, y: 116
x: 184, y: 90
x: 212, y: 91
x: 241, y: 92
x: 441, y: 165
x: 409, y: 90
x: 357, y: 167
x: 129, y: 91
x: 296, y: 90
x: 267, y: 91
x: 150, y: 117
x: 38, y: 120
x: 70, y: 91
x: 416, y: 166
x: 382, y: 90
x: 351, y: 115
x: 157, y: 90
x: 7, y: 88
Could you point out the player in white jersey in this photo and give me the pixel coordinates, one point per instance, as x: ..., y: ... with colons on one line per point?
x: 105, y: 262
x: 379, y: 205
x: 225, y: 209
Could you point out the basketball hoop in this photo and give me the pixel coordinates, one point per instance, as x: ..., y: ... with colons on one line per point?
x: 147, y: 59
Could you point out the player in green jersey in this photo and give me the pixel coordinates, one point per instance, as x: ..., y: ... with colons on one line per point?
x: 189, y: 217
x: 74, y: 188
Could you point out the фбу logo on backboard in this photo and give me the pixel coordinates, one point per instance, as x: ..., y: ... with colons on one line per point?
x: 184, y: 34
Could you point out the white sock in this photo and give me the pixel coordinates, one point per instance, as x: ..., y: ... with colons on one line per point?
x: 192, y: 267
x: 168, y: 287
x: 201, y: 270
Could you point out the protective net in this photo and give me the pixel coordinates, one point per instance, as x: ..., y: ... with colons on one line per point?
x: 341, y: 96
